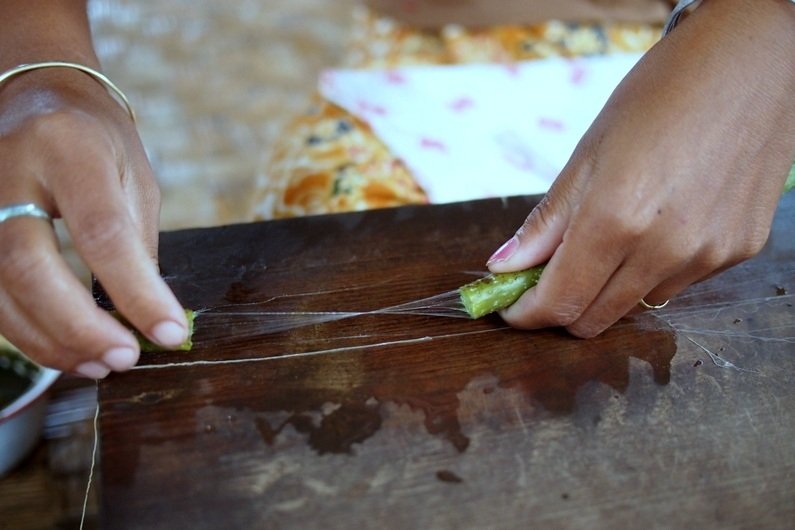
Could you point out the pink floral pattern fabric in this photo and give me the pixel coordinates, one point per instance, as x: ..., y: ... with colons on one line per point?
x: 328, y: 160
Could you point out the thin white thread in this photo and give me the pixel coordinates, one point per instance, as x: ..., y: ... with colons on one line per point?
x: 93, y: 461
x: 330, y: 314
x: 445, y: 304
x: 717, y: 288
x: 314, y: 353
x: 720, y: 361
x: 247, y: 322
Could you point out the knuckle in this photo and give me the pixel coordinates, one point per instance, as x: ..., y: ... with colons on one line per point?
x: 541, y: 217
x: 712, y: 258
x: 627, y: 227
x: 684, y: 252
x: 66, y: 134
x: 687, y: 249
x: 139, y: 307
x: 81, y: 335
x: 585, y: 330
x: 613, y: 224
x: 562, y: 314
x: 64, y: 120
x: 98, y: 232
x: 51, y: 128
x: 752, y: 245
x: 549, y: 210
x: 19, y: 262
x: 543, y: 315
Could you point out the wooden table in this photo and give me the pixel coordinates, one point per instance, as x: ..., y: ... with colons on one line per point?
x: 682, y: 417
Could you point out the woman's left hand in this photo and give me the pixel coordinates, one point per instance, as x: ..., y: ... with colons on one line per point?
x: 676, y: 180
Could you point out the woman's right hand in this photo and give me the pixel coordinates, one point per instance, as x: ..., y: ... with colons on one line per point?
x: 69, y: 147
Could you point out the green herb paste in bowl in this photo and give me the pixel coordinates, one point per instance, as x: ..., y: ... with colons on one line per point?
x: 23, y: 387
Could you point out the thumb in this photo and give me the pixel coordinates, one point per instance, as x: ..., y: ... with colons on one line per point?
x: 537, y: 238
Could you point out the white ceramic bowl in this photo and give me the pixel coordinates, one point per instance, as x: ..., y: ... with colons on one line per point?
x: 22, y: 419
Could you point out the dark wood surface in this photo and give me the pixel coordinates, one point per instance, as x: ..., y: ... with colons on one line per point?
x: 683, y: 417
x: 46, y: 490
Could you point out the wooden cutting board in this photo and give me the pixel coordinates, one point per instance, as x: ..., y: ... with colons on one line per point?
x: 673, y: 418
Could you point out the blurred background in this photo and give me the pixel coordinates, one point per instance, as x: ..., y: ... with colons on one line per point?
x: 212, y: 83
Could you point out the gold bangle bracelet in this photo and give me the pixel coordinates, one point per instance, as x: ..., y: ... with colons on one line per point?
x: 676, y: 15
x: 678, y: 11
x: 99, y: 76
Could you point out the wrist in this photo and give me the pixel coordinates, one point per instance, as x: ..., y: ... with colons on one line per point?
x: 88, y: 71
x: 44, y: 30
x: 28, y: 96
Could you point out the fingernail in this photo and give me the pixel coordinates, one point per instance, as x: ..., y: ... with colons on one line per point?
x: 120, y: 358
x: 505, y: 251
x: 168, y: 333
x: 92, y: 370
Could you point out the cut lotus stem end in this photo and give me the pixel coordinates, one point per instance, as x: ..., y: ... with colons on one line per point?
x: 497, y: 291
x: 149, y: 346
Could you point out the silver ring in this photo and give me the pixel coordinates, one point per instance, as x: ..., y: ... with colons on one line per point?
x: 27, y: 209
x: 647, y: 305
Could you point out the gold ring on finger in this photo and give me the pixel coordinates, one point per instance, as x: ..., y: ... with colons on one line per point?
x: 647, y: 305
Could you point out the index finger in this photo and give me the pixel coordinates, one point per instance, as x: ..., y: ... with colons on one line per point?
x: 107, y: 234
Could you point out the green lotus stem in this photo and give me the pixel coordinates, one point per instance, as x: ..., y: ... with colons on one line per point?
x: 497, y: 291
x: 149, y: 346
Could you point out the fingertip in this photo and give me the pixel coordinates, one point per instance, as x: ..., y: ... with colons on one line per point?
x: 504, y: 253
x: 169, y: 332
x: 121, y: 358
x: 520, y: 253
x: 92, y: 370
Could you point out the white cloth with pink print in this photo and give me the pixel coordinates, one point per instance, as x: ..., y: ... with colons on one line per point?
x: 481, y: 130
